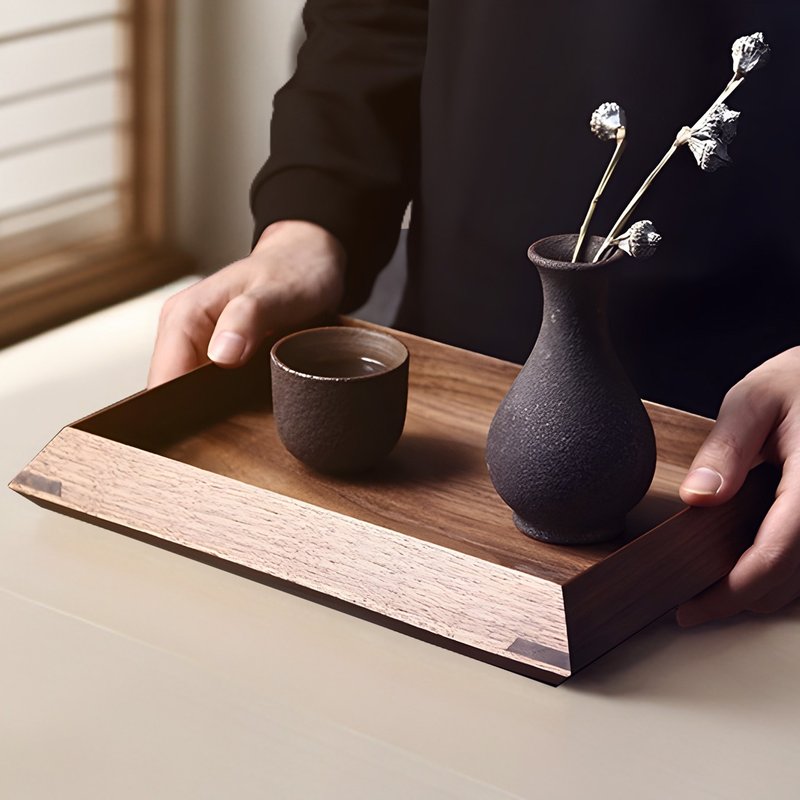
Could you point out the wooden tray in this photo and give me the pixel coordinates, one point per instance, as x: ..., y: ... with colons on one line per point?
x: 422, y: 543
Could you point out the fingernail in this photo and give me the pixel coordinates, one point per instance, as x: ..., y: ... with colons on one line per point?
x: 703, y: 480
x: 226, y: 347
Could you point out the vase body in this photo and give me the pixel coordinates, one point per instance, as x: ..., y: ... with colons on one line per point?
x: 571, y: 448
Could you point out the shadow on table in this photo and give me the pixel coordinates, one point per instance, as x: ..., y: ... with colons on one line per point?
x: 730, y: 663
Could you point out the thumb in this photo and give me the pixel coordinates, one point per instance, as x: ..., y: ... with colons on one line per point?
x: 243, y: 324
x: 732, y: 447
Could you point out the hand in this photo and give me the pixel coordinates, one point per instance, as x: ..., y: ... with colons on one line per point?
x: 295, y: 273
x: 759, y: 420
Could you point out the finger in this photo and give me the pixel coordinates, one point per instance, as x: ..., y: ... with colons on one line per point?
x: 184, y: 330
x: 779, y: 597
x: 767, y: 564
x: 247, y: 319
x: 746, y: 418
x: 175, y: 354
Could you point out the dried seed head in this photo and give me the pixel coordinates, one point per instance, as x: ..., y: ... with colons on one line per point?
x: 749, y: 54
x: 719, y: 123
x: 710, y: 154
x: 606, y: 120
x: 710, y: 138
x: 641, y: 240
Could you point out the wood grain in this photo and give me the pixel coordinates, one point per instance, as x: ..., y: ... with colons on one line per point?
x: 425, y: 585
x: 662, y: 568
x: 434, y: 486
x: 423, y: 539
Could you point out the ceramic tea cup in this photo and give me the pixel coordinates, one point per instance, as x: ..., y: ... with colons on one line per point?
x: 339, y: 396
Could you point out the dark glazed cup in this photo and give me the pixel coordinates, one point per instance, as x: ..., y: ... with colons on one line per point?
x: 339, y: 396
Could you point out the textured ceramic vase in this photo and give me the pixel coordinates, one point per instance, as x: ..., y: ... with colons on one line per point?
x: 571, y: 449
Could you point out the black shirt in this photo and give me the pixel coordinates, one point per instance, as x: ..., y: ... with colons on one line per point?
x: 479, y: 109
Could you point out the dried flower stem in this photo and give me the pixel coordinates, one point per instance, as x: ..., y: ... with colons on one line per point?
x: 618, y: 150
x: 631, y: 207
x: 733, y: 84
x: 681, y: 139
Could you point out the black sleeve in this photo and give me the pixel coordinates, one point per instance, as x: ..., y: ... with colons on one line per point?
x: 345, y: 131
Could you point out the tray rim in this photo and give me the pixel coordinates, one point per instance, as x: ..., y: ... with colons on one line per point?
x: 515, y: 660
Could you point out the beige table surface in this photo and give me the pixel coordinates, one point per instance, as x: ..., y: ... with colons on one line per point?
x: 130, y: 672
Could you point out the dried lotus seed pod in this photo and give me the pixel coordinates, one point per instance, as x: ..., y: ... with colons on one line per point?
x: 606, y: 120
x: 719, y: 123
x: 710, y: 154
x: 641, y: 240
x: 749, y: 53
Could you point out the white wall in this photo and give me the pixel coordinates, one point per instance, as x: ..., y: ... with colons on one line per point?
x: 231, y: 57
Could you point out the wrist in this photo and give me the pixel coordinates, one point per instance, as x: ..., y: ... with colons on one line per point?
x: 305, y: 259
x: 301, y: 233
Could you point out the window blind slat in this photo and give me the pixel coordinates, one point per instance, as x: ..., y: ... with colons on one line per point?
x: 31, y: 65
x: 63, y: 112
x: 20, y: 17
x: 60, y: 224
x: 32, y: 178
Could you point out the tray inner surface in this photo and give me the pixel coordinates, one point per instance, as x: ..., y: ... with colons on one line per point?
x: 434, y: 486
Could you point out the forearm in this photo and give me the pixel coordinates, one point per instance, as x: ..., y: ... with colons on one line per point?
x: 344, y: 135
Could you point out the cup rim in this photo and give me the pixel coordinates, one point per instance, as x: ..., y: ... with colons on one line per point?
x: 277, y: 361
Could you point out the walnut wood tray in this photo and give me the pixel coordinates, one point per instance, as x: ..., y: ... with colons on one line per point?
x: 421, y: 543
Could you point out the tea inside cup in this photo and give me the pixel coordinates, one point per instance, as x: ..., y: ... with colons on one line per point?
x: 339, y: 352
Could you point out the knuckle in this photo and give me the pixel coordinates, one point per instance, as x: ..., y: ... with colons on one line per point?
x: 723, y: 445
x: 169, y: 308
x: 775, y: 562
x: 750, y: 394
x: 183, y: 311
x: 175, y: 304
x: 247, y: 305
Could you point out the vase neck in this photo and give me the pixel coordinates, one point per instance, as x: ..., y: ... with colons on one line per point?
x: 575, y: 299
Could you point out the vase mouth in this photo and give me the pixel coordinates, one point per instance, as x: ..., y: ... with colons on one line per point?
x: 555, y: 252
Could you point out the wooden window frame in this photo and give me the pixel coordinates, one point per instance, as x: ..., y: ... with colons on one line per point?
x: 40, y: 290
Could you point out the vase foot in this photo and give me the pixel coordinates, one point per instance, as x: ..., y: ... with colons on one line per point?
x: 591, y: 536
